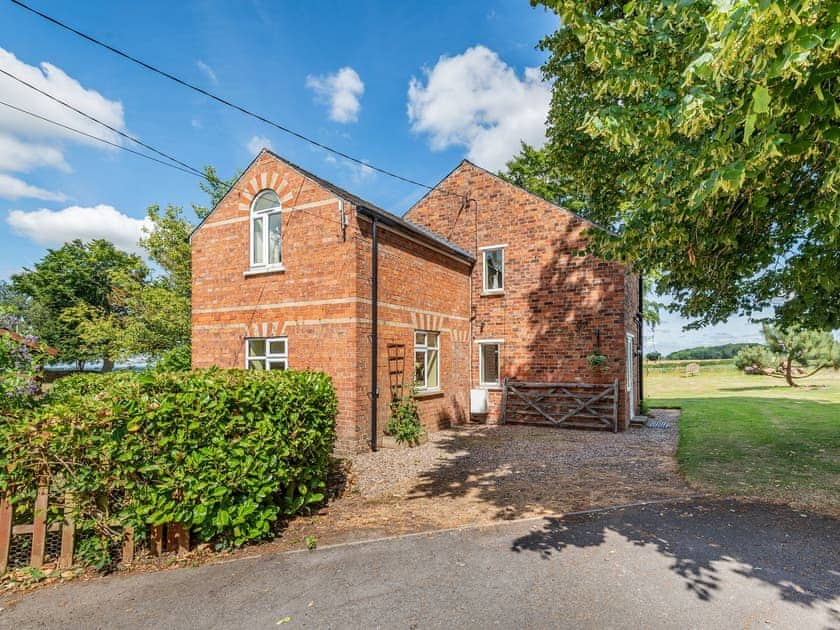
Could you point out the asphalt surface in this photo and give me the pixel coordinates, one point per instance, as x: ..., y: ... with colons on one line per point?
x: 701, y: 564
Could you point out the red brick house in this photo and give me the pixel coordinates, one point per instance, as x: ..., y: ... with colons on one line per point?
x: 287, y: 269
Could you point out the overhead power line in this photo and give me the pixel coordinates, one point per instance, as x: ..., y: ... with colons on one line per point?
x: 226, y: 102
x: 97, y: 138
x: 96, y: 120
x: 190, y: 170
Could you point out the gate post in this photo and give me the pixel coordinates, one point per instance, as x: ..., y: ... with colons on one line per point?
x: 503, y: 414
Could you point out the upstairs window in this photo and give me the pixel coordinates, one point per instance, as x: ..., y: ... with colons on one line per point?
x: 494, y: 269
x: 266, y: 230
x: 267, y: 353
x: 426, y: 360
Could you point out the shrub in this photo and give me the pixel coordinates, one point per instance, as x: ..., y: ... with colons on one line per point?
x: 178, y: 359
x: 404, y: 424
x: 226, y: 453
x: 757, y: 357
x: 653, y: 356
x: 597, y: 361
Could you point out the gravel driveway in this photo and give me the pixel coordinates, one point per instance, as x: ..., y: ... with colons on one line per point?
x: 478, y: 474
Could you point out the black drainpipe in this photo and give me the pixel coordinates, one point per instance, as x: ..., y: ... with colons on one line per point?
x: 374, y: 332
x: 641, y: 331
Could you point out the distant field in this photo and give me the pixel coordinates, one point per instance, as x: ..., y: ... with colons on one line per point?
x: 673, y: 366
x: 755, y: 436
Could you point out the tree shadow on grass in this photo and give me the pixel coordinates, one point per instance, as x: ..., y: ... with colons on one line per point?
x: 797, y: 555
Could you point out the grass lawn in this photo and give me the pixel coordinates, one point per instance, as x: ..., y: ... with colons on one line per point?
x: 754, y: 436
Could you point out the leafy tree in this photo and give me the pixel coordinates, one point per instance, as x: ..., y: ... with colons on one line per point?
x: 803, y: 353
x: 653, y: 356
x: 706, y: 134
x: 725, y: 351
x: 73, y: 284
x: 754, y: 358
x: 215, y: 187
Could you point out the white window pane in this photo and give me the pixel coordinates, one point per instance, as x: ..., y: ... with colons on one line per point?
x: 490, y: 363
x: 256, y: 347
x: 420, y: 338
x: 257, y: 241
x: 256, y: 364
x: 420, y: 369
x: 266, y: 200
x: 433, y: 369
x: 277, y: 346
x: 493, y: 269
x: 274, y: 238
x: 277, y: 365
x: 432, y: 340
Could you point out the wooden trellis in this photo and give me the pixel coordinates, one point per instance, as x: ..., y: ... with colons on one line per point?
x: 580, y: 405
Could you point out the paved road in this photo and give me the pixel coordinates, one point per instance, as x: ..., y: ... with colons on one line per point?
x: 682, y: 565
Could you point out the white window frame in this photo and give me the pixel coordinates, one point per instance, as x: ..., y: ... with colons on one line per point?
x: 484, y: 251
x: 268, y: 357
x: 265, y: 215
x: 489, y: 342
x: 425, y: 348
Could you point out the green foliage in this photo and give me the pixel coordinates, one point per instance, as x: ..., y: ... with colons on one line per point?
x: 227, y: 453
x: 71, y: 290
x: 167, y: 243
x: 653, y: 356
x: 802, y: 350
x: 20, y: 365
x: 725, y: 351
x: 757, y: 357
x: 706, y: 134
x: 597, y: 360
x: 178, y: 359
x: 216, y: 188
x: 404, y: 423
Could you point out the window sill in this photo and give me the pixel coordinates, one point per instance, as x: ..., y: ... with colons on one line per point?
x: 491, y: 388
x: 492, y: 292
x: 261, y: 271
x: 427, y: 393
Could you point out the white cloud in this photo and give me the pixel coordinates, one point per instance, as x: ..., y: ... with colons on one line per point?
x: 55, y: 81
x: 341, y: 91
x: 477, y: 101
x: 14, y: 188
x: 257, y: 143
x: 196, y: 123
x: 22, y: 156
x: 208, y: 71
x: 52, y: 227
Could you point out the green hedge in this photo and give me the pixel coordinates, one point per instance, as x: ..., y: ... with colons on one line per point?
x: 227, y: 453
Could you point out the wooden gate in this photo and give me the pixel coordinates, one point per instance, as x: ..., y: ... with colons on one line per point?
x: 581, y: 405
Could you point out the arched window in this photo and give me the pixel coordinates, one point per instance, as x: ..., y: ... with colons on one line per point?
x: 266, y: 230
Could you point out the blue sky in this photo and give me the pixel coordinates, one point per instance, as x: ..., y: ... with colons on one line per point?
x: 411, y: 87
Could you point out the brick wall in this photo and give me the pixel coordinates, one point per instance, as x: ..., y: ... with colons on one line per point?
x: 321, y: 301
x: 556, y: 304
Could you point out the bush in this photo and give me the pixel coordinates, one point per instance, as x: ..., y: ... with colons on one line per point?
x: 178, y: 359
x: 226, y: 453
x: 757, y: 357
x: 653, y: 356
x: 404, y: 424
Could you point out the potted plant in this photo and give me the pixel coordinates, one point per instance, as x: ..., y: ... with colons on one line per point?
x: 597, y: 361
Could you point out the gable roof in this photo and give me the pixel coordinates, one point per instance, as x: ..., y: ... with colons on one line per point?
x: 517, y: 187
x: 355, y: 200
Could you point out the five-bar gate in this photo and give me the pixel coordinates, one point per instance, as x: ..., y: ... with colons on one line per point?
x: 581, y: 405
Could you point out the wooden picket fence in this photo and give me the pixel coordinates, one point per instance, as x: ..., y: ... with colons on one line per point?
x: 171, y: 537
